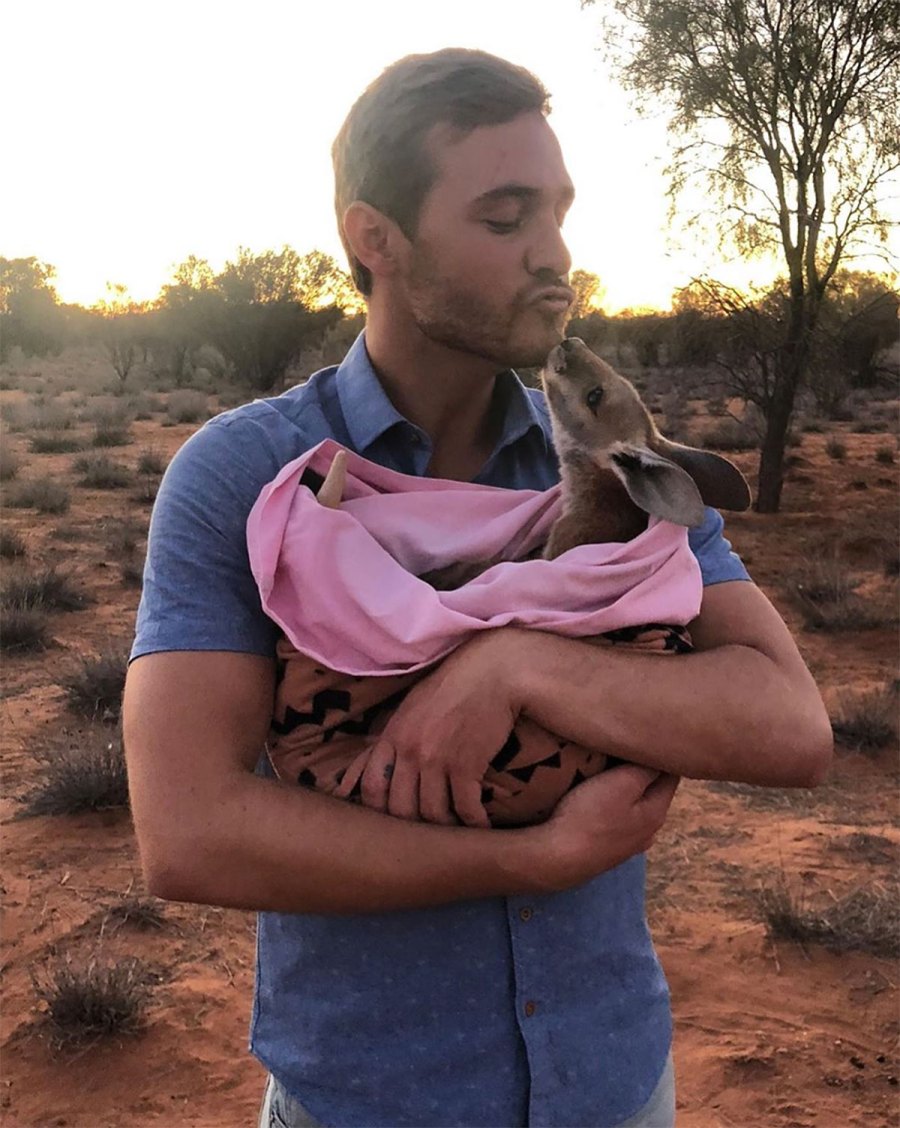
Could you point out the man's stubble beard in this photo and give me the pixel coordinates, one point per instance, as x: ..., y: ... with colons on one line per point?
x: 461, y: 321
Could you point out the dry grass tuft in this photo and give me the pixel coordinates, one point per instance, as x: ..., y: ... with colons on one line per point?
x: 729, y: 434
x: 111, y: 433
x: 867, y: 722
x: 132, y: 572
x: 123, y: 538
x: 22, y: 629
x: 52, y: 443
x: 151, y: 461
x: 89, y: 1001
x: 47, y: 589
x: 886, y: 455
x: 95, y: 689
x: 85, y: 771
x: 824, y: 591
x: 43, y: 494
x: 20, y: 417
x: 138, y: 912
x: 11, y: 543
x: 187, y: 406
x: 98, y: 472
x: 866, y: 920
x: 836, y: 448
x: 9, y: 461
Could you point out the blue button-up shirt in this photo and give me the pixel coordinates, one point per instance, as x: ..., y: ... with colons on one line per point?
x: 548, y: 1010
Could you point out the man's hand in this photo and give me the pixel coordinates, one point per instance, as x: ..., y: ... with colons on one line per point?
x: 430, y: 760
x: 601, y: 823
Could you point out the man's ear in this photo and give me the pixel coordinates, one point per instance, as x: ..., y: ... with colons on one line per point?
x: 373, y: 238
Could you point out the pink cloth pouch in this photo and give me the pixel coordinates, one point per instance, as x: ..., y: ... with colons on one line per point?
x: 359, y: 627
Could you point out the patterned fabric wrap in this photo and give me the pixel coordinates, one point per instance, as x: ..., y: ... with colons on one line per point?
x: 325, y: 719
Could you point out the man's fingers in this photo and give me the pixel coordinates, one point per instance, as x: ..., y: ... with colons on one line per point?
x: 434, y: 799
x: 628, y: 783
x: 403, y: 797
x: 376, y: 779
x: 467, y: 802
x: 659, y: 795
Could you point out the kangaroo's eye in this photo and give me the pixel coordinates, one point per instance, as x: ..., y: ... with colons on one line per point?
x: 594, y: 396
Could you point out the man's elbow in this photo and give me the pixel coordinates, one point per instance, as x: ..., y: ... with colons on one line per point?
x: 172, y: 871
x: 812, y: 752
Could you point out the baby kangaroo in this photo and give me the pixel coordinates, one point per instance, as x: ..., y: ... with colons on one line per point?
x: 616, y: 467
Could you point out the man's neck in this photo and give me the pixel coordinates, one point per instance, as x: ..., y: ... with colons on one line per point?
x: 448, y: 394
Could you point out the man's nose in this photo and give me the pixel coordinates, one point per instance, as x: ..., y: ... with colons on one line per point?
x: 550, y: 253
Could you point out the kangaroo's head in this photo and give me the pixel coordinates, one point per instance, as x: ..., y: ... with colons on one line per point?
x: 598, y: 414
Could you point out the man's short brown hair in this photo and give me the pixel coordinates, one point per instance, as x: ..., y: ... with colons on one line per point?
x: 380, y: 156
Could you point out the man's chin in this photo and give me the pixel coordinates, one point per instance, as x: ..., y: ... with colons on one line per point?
x: 534, y: 352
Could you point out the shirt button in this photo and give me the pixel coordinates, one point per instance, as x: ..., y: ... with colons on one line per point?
x: 530, y: 1008
x: 525, y: 914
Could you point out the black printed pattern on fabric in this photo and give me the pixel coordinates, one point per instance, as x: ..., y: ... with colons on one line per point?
x: 676, y: 637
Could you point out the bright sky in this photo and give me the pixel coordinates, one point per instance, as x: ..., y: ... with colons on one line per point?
x: 137, y: 134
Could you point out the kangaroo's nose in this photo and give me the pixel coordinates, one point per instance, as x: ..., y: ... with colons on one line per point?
x: 570, y: 344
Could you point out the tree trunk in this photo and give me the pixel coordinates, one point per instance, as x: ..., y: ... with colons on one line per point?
x: 791, y: 366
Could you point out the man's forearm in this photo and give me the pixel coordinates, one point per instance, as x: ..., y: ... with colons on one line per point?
x: 727, y: 713
x: 270, y: 847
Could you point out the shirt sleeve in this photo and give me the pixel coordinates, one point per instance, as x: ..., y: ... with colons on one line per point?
x: 199, y: 592
x: 718, y: 562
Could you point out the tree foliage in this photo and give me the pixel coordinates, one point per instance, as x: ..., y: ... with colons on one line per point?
x: 787, y: 113
x: 260, y: 311
x: 30, y: 315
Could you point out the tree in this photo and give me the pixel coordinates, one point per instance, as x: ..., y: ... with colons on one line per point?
x: 787, y: 113
x: 121, y: 329
x: 30, y: 314
x: 180, y: 316
x: 257, y: 314
x: 589, y: 293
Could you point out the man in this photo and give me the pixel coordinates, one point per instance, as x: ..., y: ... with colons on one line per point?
x: 410, y: 971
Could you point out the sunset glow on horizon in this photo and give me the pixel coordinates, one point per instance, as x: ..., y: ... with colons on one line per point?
x: 151, y: 133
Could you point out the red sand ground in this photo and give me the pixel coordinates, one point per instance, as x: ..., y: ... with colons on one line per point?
x: 768, y: 1033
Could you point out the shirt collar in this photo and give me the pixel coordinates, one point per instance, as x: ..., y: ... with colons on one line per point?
x: 368, y: 412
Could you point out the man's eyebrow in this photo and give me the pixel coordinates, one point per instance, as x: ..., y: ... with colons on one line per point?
x: 519, y: 192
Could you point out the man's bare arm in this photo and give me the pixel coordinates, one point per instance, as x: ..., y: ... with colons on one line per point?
x: 211, y: 831
x: 743, y: 707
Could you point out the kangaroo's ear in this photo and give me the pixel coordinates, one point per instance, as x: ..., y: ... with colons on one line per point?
x: 657, y: 485
x: 720, y: 482
x: 331, y: 492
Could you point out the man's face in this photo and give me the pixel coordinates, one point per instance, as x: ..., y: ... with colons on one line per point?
x: 488, y: 244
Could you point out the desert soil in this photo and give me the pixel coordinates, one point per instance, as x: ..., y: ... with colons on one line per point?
x: 769, y: 1032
